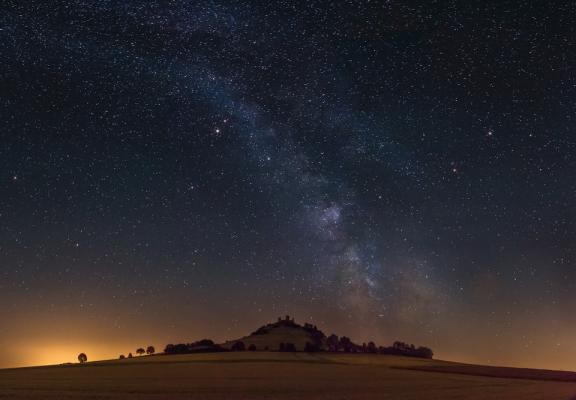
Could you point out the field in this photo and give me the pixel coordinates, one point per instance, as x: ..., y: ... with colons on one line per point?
x: 271, y: 375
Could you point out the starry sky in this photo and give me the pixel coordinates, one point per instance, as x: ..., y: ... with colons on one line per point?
x: 388, y: 170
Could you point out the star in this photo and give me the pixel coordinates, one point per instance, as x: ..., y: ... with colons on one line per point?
x: 364, y: 210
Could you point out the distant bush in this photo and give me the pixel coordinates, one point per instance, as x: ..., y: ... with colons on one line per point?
x: 140, y: 351
x: 150, y: 350
x: 82, y: 358
x: 121, y: 357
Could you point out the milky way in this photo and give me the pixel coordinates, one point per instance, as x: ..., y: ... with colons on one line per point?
x: 174, y: 170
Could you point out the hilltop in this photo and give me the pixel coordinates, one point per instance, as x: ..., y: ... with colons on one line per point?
x: 283, y: 335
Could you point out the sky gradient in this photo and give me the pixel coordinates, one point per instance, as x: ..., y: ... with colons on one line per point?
x: 177, y: 170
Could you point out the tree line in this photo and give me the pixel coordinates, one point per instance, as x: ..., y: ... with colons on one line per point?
x: 200, y: 346
x: 345, y: 345
x: 82, y: 357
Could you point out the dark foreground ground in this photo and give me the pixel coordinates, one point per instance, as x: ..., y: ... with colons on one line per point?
x: 283, y: 376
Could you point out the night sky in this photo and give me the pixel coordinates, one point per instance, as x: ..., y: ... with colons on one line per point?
x: 387, y: 170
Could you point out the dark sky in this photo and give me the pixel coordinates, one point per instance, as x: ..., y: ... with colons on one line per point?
x: 173, y: 170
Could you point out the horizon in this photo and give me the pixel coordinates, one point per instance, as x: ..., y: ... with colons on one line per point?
x: 62, y: 353
x: 386, y: 171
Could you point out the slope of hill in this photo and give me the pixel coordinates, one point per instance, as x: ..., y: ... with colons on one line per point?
x: 281, y: 334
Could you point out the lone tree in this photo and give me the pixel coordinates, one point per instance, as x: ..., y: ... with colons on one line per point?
x: 129, y: 355
x: 122, y: 356
x: 82, y: 358
x: 140, y: 351
x: 150, y: 350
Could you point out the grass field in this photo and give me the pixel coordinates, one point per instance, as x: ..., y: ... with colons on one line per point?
x: 270, y: 375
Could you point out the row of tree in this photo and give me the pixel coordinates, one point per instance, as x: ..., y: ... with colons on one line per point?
x: 404, y: 349
x: 284, y: 347
x: 82, y: 357
x: 345, y: 345
x: 201, y: 346
x: 140, y: 351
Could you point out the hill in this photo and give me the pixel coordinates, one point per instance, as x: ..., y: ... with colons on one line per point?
x: 286, y: 335
x: 283, y: 335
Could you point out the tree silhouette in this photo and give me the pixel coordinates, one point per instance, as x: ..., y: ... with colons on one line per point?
x: 289, y: 347
x: 311, y: 347
x: 150, y: 350
x: 140, y: 351
x: 332, y: 342
x: 82, y: 358
x: 238, y: 346
x: 129, y: 355
x: 408, y: 350
x: 400, y: 346
x: 371, y: 348
x: 424, y: 352
x: 346, y: 344
x: 122, y: 356
x: 201, y: 346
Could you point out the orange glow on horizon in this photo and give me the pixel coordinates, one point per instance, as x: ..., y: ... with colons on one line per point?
x: 56, y: 353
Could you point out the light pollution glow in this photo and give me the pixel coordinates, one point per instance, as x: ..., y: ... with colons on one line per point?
x: 59, y: 341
